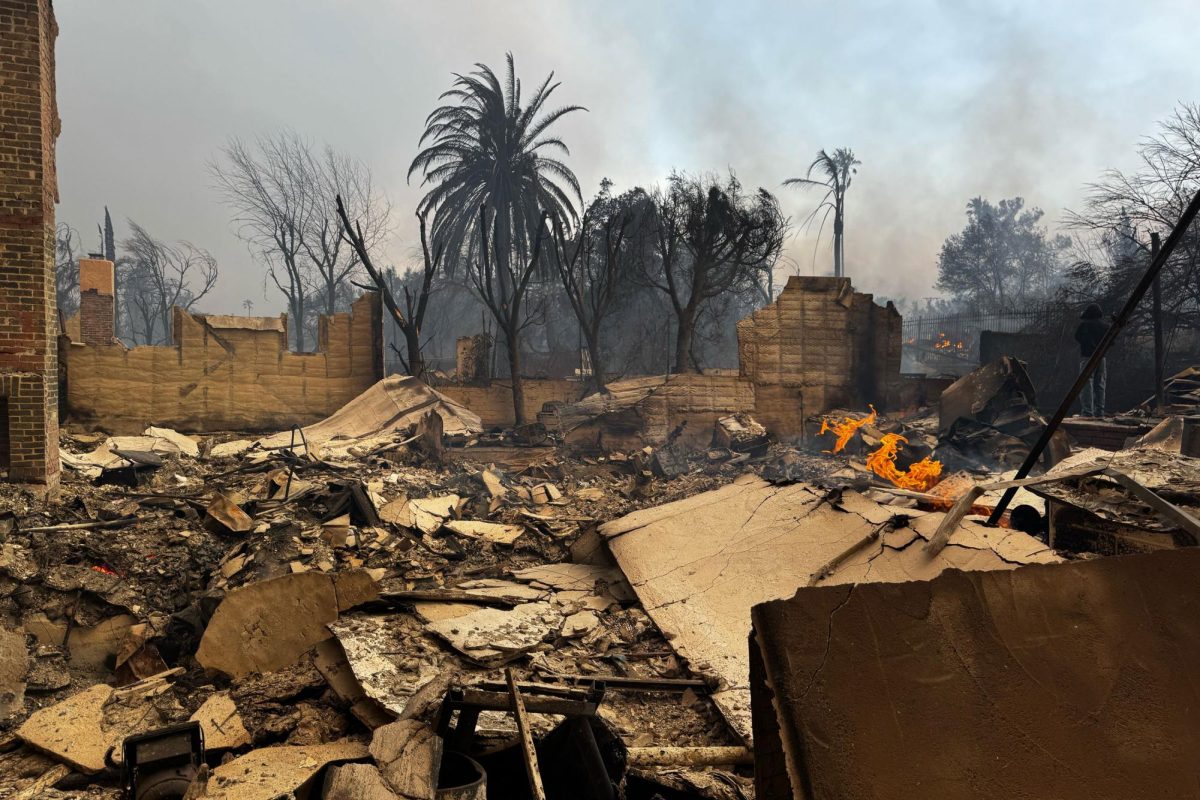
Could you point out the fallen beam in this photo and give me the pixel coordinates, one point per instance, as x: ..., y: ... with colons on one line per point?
x: 690, y: 756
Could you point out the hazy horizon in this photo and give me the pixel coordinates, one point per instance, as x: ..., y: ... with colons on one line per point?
x: 941, y: 102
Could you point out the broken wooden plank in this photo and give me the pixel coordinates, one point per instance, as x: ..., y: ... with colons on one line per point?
x: 527, y: 750
x: 85, y: 526
x: 695, y: 757
x: 1161, y: 506
x: 962, y: 505
x: 450, y: 596
x: 37, y: 789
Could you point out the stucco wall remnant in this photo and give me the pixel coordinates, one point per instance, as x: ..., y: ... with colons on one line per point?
x: 226, y: 373
x: 820, y: 345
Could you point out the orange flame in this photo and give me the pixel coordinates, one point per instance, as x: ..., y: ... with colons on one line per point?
x: 944, y: 343
x: 918, y: 477
x: 846, y: 429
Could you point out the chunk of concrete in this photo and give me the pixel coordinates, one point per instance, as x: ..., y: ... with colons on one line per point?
x: 390, y: 656
x: 427, y: 514
x: 267, y: 625
x: 14, y: 665
x: 353, y: 588
x: 183, y: 444
x: 228, y: 515
x: 271, y: 772
x: 73, y: 730
x: 494, y: 532
x: 580, y: 623
x: 409, y: 755
x: 222, y: 724
x: 699, y: 564
x: 492, y: 637
x: 356, y: 782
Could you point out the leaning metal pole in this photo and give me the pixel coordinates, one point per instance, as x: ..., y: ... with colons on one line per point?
x: 1114, y: 330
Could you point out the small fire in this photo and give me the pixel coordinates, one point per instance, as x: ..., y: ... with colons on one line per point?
x: 104, y: 569
x: 945, y: 343
x: 846, y: 429
x: 920, y: 475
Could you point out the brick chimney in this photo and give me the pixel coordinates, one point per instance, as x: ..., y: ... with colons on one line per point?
x: 29, y: 125
x: 96, y: 303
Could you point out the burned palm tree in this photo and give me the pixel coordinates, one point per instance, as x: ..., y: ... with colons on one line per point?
x: 834, y: 173
x: 487, y: 151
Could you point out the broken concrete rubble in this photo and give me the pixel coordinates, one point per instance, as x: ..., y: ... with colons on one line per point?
x: 356, y: 782
x: 991, y: 415
x: 492, y: 637
x: 267, y: 625
x: 416, y: 577
x: 409, y: 755
x: 700, y: 564
x: 375, y: 418
x: 221, y: 723
x: 271, y: 772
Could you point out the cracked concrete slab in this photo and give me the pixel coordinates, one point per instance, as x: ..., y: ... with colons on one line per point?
x: 698, y: 565
x: 1069, y: 680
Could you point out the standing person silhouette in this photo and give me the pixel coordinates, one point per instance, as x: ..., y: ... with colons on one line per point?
x: 1090, y: 331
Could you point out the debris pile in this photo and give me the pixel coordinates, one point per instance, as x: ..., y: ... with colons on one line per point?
x: 396, y: 603
x: 299, y: 596
x: 990, y: 416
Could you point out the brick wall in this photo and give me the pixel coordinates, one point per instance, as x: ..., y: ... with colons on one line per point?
x: 97, y: 306
x: 28, y: 191
x: 226, y: 373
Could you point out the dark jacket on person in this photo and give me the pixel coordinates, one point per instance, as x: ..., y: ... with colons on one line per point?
x: 1091, y: 330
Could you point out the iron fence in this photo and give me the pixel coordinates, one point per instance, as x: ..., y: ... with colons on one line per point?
x: 947, y: 339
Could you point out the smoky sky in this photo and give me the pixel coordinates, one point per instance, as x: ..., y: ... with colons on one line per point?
x: 941, y: 101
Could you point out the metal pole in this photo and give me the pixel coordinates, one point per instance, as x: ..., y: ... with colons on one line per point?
x: 1160, y: 400
x: 1085, y: 374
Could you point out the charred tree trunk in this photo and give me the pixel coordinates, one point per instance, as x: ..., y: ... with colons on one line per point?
x: 592, y: 340
x: 685, y: 335
x: 298, y: 323
x: 412, y: 343
x: 512, y: 345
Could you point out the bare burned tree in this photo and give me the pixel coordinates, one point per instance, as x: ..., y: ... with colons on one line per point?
x: 709, y: 239
x: 502, y: 285
x: 280, y: 191
x: 412, y: 316
x: 595, y: 264
x: 1124, y: 208
x: 336, y: 175
x: 163, y: 277
x: 66, y: 269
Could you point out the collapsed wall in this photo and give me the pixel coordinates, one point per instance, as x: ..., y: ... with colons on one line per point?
x: 221, y: 372
x: 820, y: 345
x: 636, y: 412
x: 492, y: 399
